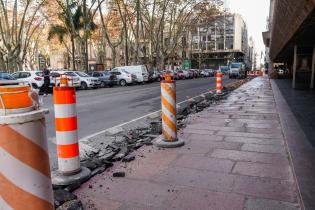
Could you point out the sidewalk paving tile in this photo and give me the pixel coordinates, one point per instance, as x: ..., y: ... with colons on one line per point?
x: 204, y: 200
x: 203, y: 137
x: 254, y: 140
x: 249, y: 156
x: 267, y: 204
x: 264, y: 148
x: 221, y: 182
x: 204, y: 163
x: 246, y: 134
x: 277, y: 171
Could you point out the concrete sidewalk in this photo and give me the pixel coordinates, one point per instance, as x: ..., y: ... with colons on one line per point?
x: 235, y: 157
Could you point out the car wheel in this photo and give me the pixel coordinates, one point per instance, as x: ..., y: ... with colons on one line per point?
x: 34, y: 86
x: 158, y: 79
x: 84, y: 86
x: 103, y: 84
x: 122, y: 82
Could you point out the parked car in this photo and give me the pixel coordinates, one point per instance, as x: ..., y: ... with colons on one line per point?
x: 123, y: 77
x: 140, y: 71
x: 186, y: 73
x: 106, y: 78
x: 224, y: 69
x: 207, y: 73
x: 193, y: 73
x: 86, y: 81
x: 181, y: 74
x: 154, y: 75
x: 34, y: 78
x: 237, y: 70
x: 74, y: 80
x: 6, y: 76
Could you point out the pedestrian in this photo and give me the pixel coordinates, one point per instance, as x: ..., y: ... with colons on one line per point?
x: 46, y: 74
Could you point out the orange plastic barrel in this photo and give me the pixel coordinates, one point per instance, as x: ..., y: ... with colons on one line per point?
x: 15, y: 97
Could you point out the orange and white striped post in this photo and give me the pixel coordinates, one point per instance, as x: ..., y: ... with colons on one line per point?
x: 219, y: 83
x: 169, y: 121
x: 25, y: 181
x: 67, y: 137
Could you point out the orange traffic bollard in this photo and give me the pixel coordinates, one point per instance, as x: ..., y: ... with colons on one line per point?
x: 69, y: 169
x: 169, y: 121
x: 219, y: 83
x: 25, y: 181
x: 168, y: 77
x: 63, y: 81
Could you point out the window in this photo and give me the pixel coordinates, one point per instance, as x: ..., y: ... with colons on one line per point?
x: 96, y: 74
x: 16, y: 75
x: 82, y: 74
x: 40, y: 73
x: 123, y: 70
x: 70, y: 74
x: 25, y: 74
x: 54, y: 74
x: 235, y: 65
x: 5, y: 76
x: 116, y: 73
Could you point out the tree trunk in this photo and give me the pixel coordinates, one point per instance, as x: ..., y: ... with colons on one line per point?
x: 73, y: 52
x: 114, y: 57
x: 126, y: 46
x: 137, y: 31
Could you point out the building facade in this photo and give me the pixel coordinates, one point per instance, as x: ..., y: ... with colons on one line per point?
x: 290, y: 40
x: 219, y: 42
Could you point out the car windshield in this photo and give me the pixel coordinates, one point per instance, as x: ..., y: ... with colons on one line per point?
x: 82, y: 74
x: 235, y: 65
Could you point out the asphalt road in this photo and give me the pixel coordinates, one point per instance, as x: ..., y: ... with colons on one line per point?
x: 104, y: 108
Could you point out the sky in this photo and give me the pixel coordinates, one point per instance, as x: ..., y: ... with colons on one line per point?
x: 255, y: 13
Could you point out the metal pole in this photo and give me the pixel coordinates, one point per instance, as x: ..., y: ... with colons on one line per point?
x: 294, y: 66
x: 313, y: 68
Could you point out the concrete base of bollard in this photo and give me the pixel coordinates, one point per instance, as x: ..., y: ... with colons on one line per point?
x: 161, y: 142
x: 59, y: 179
x: 219, y: 93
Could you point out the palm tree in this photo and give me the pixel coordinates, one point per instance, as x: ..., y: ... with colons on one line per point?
x: 72, y: 19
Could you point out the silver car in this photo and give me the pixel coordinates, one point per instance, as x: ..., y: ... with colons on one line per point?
x: 123, y: 77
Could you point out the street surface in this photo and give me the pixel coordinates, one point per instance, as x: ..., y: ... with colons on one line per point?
x: 104, y: 108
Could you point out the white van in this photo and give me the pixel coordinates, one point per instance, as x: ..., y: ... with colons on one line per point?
x: 140, y: 71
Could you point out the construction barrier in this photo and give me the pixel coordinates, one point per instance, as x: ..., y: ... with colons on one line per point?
x: 66, y: 129
x: 169, y: 121
x: 25, y: 181
x: 219, y: 83
x: 69, y: 169
x: 168, y: 97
